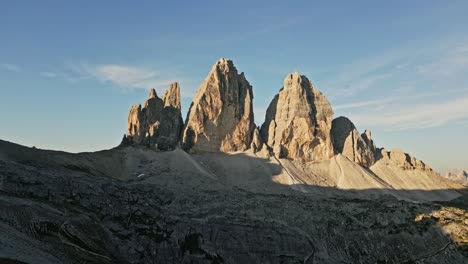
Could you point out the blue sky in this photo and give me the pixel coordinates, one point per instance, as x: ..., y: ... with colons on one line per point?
x: 70, y: 70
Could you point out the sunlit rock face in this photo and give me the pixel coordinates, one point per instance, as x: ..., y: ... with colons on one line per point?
x: 401, y: 159
x: 159, y: 123
x: 348, y: 141
x: 221, y: 115
x: 298, y: 122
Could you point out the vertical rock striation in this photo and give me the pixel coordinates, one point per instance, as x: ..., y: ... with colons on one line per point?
x: 221, y: 115
x: 159, y: 123
x: 298, y: 122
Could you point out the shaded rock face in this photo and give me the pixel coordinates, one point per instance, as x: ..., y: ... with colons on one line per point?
x: 221, y: 115
x: 367, y: 137
x: 257, y: 142
x: 59, y: 215
x: 403, y: 160
x: 159, y: 123
x: 348, y: 141
x: 298, y: 122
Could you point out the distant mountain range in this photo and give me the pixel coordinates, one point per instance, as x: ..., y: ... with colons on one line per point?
x: 458, y: 176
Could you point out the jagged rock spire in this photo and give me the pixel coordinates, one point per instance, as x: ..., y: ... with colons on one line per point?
x: 348, y: 141
x: 152, y: 94
x: 298, y: 121
x: 171, y: 96
x: 221, y: 115
x: 159, y: 123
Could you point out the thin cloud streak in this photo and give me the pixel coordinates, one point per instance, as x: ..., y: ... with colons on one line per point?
x: 127, y: 77
x: 400, y: 68
x: 417, y: 117
x: 387, y: 100
x: 11, y: 67
x: 450, y: 62
x: 48, y: 74
x: 123, y: 76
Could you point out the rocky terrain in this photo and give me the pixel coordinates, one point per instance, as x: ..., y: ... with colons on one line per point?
x: 458, y: 176
x: 302, y: 188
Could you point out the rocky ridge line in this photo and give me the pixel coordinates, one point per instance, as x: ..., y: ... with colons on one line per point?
x: 298, y: 125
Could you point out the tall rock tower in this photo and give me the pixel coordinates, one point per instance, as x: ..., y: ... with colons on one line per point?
x: 159, y: 123
x: 298, y: 122
x: 221, y: 115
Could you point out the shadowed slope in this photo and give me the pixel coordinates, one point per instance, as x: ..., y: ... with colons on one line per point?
x: 201, y: 208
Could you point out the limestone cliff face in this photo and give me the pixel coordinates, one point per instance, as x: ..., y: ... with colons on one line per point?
x: 159, y: 123
x: 401, y: 159
x: 348, y: 141
x: 221, y: 115
x: 298, y: 122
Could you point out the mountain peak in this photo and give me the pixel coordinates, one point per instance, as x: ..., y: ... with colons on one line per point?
x: 158, y: 124
x: 224, y: 65
x: 295, y: 78
x: 152, y: 94
x: 298, y: 121
x: 171, y: 96
x: 221, y: 115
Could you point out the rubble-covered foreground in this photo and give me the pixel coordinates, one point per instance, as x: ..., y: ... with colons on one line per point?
x: 54, y: 214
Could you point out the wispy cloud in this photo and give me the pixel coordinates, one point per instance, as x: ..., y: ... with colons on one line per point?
x: 10, y: 67
x: 449, y: 62
x: 404, y: 67
x: 48, y: 74
x: 361, y: 75
x: 403, y: 96
x: 410, y: 89
x: 416, y: 116
x: 124, y: 76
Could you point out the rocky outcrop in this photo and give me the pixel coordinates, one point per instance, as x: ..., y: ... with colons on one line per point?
x: 298, y: 122
x: 159, y: 123
x: 401, y: 159
x: 458, y: 176
x: 348, y: 141
x: 221, y: 115
x: 257, y: 142
x: 367, y: 137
